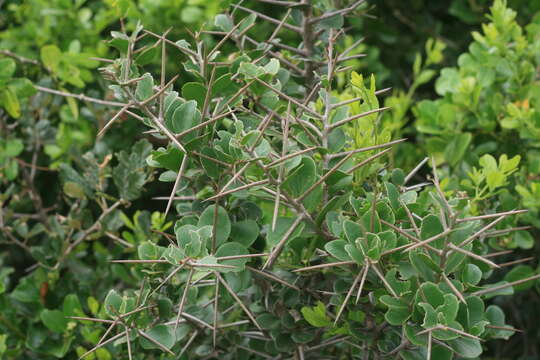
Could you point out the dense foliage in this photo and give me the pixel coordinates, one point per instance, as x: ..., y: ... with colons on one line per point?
x: 233, y: 187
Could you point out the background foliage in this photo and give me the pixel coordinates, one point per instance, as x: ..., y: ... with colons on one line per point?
x: 464, y: 92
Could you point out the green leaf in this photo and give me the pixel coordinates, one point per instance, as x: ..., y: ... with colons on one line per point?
x: 397, y: 316
x: 504, y: 291
x: 72, y: 306
x: 185, y: 117
x: 496, y: 317
x: 423, y: 264
x: 268, y: 321
x: 189, y: 240
x: 471, y: 274
x: 194, y: 91
x: 245, y: 232
x: 223, y: 22
x: 54, y: 320
x: 450, y: 307
x: 148, y: 251
x: 93, y: 305
x: 3, y: 346
x: 7, y: 69
x: 51, y: 56
x: 160, y: 333
x: 355, y: 254
x: 523, y: 239
x: 170, y: 158
x: 448, y: 82
x: 130, y: 174
x: 336, y: 248
x: 455, y: 150
x: 147, y: 56
x: 431, y: 226
x: 272, y: 67
x: 74, y: 190
x: 10, y: 102
x: 282, y: 225
x: 430, y: 315
x: 398, y: 177
x: 400, y: 287
x: 373, y: 247
x: 144, y: 87
x: 23, y: 88
x: 352, y: 230
x: 231, y: 249
x: 316, y: 315
x: 431, y: 293
x: 466, y: 347
x: 332, y: 22
x: 250, y: 70
x: 113, y: 303
x: 301, y: 178
x: 12, y: 148
x: 223, y: 223
x: 520, y: 272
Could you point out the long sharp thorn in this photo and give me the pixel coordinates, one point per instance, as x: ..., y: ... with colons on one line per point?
x: 361, y: 286
x: 288, y: 98
x: 176, y: 183
x: 235, y: 176
x: 473, y: 255
x: 429, y: 346
x: 214, y: 333
x: 381, y: 276
x: 160, y: 345
x: 367, y: 161
x: 188, y: 343
x: 324, y: 177
x: 322, y: 266
x: 427, y: 241
x: 273, y: 277
x: 128, y: 344
x: 510, y: 263
x: 79, y: 96
x: 284, y: 149
x: 415, y: 170
x: 118, y: 114
x: 488, y: 216
x: 243, y: 187
x: 270, y: 19
x: 239, y: 301
x: 481, y: 231
x: 337, y: 12
x: 279, y: 247
x: 368, y: 148
x: 290, y: 156
x: 349, y: 293
x: 358, y: 116
x: 453, y: 288
x: 102, y: 344
x: 503, y: 286
x: 183, y: 299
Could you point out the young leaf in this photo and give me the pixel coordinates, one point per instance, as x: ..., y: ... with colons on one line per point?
x: 144, y: 87
x: 316, y: 315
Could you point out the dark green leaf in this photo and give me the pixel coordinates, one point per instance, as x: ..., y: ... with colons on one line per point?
x: 55, y: 320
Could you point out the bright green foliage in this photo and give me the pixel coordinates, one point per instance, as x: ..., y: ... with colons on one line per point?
x: 489, y: 105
